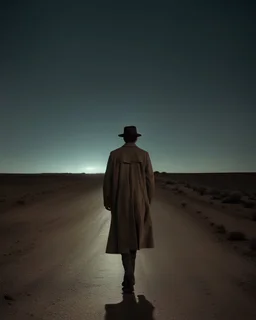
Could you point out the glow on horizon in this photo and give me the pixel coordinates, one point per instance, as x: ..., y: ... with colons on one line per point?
x: 93, y: 170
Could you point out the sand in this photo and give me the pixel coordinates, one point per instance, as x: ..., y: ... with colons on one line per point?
x: 53, y: 263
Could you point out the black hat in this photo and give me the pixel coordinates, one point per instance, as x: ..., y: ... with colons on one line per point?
x: 130, y: 131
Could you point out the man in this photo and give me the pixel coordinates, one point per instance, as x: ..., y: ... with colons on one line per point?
x: 128, y: 190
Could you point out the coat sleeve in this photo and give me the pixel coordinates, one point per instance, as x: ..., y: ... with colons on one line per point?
x: 150, y: 179
x: 107, y: 183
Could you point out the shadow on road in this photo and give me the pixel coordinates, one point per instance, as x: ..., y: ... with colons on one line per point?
x: 129, y: 308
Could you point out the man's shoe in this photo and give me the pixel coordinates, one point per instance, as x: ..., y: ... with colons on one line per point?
x: 129, y: 290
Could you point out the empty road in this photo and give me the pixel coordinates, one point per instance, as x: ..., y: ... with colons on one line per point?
x: 53, y: 265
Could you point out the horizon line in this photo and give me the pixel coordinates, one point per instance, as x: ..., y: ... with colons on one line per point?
x: 94, y: 173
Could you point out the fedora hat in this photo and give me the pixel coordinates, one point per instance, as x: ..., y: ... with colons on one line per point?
x: 130, y: 131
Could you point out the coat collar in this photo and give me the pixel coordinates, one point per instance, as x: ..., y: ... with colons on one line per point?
x: 129, y: 144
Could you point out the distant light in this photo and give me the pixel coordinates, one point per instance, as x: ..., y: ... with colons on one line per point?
x: 97, y: 169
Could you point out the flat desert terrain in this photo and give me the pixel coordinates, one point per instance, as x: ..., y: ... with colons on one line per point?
x: 53, y: 233
x: 226, y: 200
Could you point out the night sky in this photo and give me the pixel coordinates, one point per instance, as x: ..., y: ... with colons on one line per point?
x: 74, y: 73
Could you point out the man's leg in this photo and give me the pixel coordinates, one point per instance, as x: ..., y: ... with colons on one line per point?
x: 133, y: 259
x: 128, y: 281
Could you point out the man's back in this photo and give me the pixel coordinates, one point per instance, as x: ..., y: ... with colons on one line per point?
x: 130, y: 152
x: 131, y: 171
x: 127, y: 191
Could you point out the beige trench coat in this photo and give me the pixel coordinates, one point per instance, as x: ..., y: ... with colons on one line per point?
x: 128, y: 189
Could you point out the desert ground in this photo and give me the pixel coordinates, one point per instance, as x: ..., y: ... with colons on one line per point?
x: 53, y: 233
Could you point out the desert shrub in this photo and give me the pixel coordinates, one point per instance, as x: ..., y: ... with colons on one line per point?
x: 170, y: 182
x: 254, y: 216
x: 224, y: 194
x: 208, y: 191
x: 233, y: 198
x: 253, y: 244
x: 177, y: 190
x: 8, y: 297
x: 248, y: 204
x: 236, y: 236
x: 216, y: 197
x: 21, y: 202
x: 183, y: 204
x: 202, y: 190
x: 214, y: 192
x: 220, y: 228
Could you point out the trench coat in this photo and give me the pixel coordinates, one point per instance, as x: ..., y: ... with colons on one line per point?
x: 128, y: 189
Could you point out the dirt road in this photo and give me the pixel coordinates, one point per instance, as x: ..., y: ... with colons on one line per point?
x: 53, y: 265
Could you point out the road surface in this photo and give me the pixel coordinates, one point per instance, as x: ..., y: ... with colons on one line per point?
x: 57, y: 268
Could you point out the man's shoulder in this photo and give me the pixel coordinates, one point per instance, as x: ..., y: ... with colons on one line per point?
x: 124, y: 151
x: 115, y: 151
x: 142, y: 150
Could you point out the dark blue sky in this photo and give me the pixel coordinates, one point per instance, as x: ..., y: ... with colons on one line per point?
x: 74, y: 73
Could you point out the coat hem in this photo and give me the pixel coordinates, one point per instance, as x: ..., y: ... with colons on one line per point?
x: 117, y: 252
